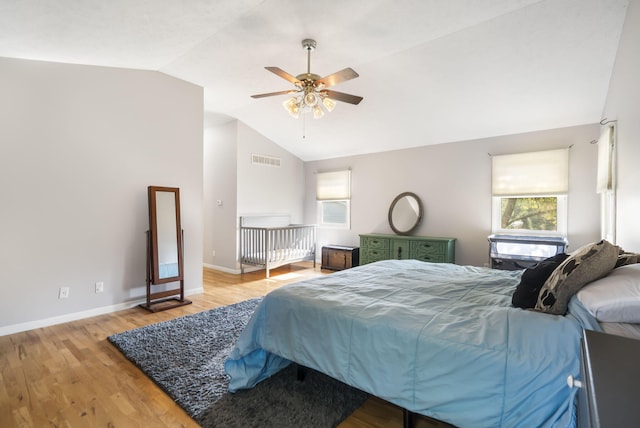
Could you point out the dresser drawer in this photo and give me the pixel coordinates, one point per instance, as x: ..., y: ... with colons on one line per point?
x: 419, y: 248
x: 374, y: 254
x: 374, y: 243
x: 426, y: 257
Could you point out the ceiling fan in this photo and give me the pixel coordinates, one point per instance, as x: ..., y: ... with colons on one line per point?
x: 311, y: 90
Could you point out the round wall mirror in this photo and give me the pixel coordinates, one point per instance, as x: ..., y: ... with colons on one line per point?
x: 405, y: 213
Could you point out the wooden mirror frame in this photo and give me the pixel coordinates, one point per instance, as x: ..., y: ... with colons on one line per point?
x: 395, y: 202
x: 161, y: 300
x: 156, y: 277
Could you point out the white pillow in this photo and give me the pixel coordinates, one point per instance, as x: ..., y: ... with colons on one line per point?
x: 616, y: 297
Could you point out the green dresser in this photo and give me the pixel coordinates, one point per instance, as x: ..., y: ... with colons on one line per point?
x: 375, y: 247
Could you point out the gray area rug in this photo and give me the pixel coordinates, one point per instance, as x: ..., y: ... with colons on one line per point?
x: 185, y: 357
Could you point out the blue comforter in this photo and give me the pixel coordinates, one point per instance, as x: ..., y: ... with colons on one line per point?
x: 437, y: 339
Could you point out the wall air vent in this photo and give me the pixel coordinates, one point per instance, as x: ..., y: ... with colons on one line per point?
x: 257, y: 159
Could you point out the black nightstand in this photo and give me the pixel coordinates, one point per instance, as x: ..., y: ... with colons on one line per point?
x: 610, y: 378
x: 339, y: 257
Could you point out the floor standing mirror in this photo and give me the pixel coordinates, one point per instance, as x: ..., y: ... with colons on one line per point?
x: 164, y: 250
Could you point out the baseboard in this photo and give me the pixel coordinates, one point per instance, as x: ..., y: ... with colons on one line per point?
x: 47, y: 322
x: 223, y: 269
x: 246, y: 268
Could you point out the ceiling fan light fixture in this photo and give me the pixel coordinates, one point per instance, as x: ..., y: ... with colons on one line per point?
x: 292, y: 106
x: 329, y: 104
x: 317, y: 112
x: 311, y: 99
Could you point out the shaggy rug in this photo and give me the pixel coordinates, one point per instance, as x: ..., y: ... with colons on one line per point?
x: 185, y: 357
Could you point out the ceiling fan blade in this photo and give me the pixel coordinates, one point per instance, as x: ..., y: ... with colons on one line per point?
x: 345, y: 98
x: 283, y: 74
x: 271, y: 94
x: 338, y: 77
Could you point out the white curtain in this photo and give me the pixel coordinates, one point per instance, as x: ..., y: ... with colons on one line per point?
x: 605, y: 161
x: 606, y: 183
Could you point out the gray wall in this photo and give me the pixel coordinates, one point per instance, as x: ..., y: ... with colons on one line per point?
x: 220, y: 184
x: 78, y: 147
x: 243, y: 188
x: 454, y: 183
x: 263, y: 189
x: 623, y: 105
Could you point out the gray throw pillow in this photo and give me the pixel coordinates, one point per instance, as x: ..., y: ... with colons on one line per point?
x: 626, y: 259
x: 586, y: 264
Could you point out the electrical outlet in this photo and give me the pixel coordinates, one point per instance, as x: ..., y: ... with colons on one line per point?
x: 99, y: 287
x: 213, y: 253
x: 63, y: 293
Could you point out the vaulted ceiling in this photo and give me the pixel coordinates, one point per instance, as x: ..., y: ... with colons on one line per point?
x: 431, y: 71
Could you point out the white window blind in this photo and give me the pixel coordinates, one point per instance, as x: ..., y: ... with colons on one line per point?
x: 332, y: 186
x: 534, y: 173
x: 605, y: 161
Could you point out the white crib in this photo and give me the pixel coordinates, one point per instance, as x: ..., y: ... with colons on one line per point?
x: 270, y: 242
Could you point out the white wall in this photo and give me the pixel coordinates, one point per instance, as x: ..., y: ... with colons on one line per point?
x: 244, y: 189
x: 454, y: 183
x: 623, y: 105
x: 220, y: 184
x: 264, y: 189
x: 78, y: 147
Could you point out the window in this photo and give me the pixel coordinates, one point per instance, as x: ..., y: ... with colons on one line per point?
x: 535, y: 215
x: 333, y: 194
x: 334, y: 213
x: 530, y: 193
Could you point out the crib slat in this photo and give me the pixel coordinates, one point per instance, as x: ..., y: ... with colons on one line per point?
x: 275, y: 246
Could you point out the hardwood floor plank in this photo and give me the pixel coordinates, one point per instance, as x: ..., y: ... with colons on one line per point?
x: 69, y: 375
x: 22, y: 418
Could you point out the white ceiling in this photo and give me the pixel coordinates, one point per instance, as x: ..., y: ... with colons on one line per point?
x: 431, y: 71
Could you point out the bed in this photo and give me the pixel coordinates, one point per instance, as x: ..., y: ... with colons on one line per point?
x: 271, y: 241
x: 440, y: 340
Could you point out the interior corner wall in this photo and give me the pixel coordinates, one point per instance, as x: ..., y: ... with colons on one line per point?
x: 454, y: 183
x: 623, y: 105
x: 235, y: 187
x: 220, y: 195
x: 268, y: 190
x: 79, y: 145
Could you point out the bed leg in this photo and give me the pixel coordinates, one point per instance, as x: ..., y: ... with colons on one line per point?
x: 407, y: 418
x: 301, y: 372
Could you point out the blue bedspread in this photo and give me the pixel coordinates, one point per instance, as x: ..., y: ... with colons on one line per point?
x: 437, y: 339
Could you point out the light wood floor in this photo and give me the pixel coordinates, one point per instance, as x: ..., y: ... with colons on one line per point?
x: 69, y: 375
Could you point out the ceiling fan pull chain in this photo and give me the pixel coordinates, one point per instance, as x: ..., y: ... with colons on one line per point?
x: 304, y: 126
